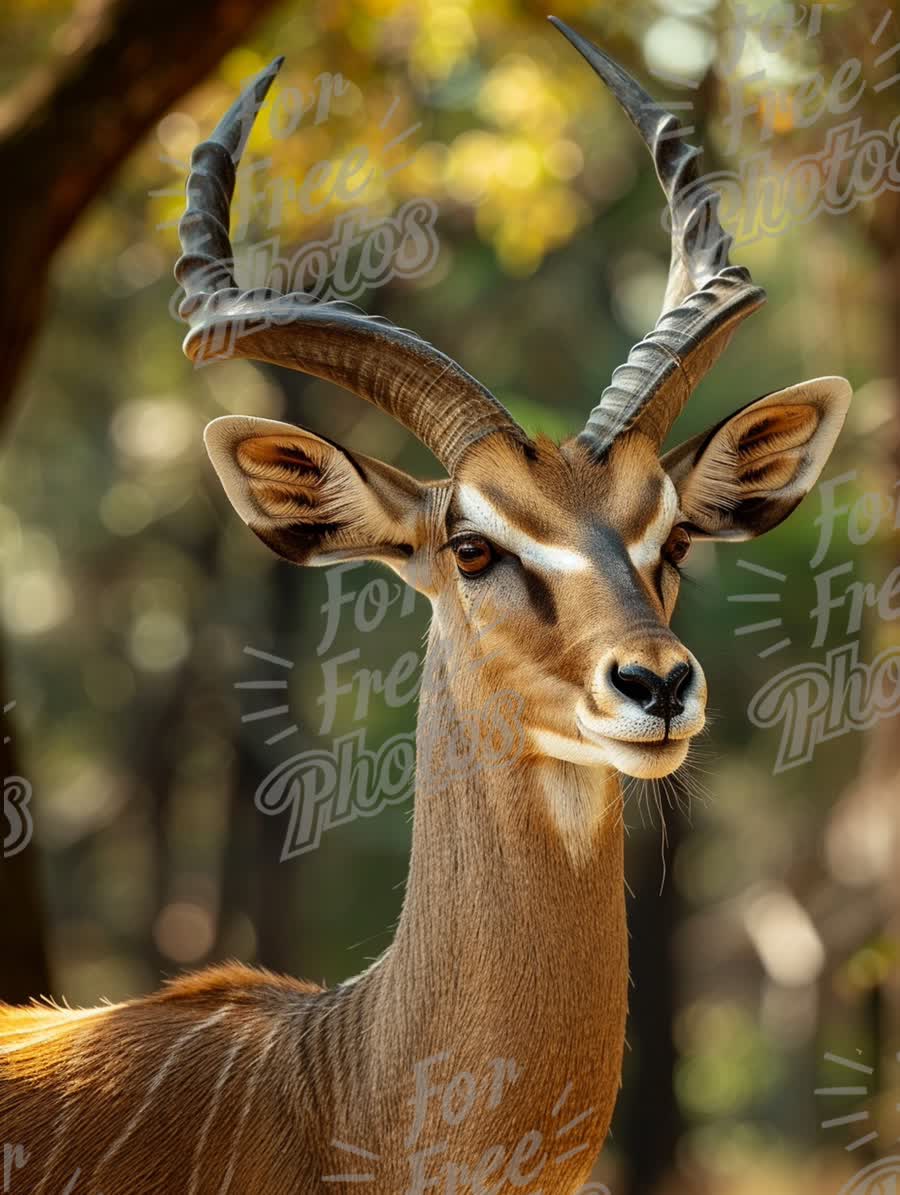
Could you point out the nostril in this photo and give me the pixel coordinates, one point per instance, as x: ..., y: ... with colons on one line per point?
x: 677, y: 683
x: 635, y: 683
x: 659, y: 695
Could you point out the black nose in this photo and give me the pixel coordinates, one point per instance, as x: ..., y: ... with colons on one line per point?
x: 659, y: 695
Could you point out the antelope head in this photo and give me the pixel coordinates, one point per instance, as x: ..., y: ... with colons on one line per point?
x: 555, y: 566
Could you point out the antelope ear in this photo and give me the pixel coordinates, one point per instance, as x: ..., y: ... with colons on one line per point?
x: 746, y: 474
x: 311, y: 501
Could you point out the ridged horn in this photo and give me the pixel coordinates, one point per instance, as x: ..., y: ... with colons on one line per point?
x: 706, y: 297
x: 426, y: 391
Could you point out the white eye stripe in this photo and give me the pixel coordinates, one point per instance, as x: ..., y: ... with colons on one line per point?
x: 476, y: 507
x: 645, y: 551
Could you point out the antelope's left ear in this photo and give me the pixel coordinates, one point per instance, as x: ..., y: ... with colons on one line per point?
x: 314, y: 503
x: 746, y: 474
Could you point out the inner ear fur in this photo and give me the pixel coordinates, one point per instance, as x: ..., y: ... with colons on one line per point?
x: 746, y: 474
x: 309, y: 499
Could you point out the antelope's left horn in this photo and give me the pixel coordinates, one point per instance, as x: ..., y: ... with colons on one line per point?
x: 706, y: 297
x: 426, y: 391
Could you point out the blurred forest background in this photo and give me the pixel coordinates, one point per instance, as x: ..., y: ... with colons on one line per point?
x: 765, y: 923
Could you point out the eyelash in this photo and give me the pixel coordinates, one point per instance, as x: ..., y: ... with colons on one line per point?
x: 459, y: 538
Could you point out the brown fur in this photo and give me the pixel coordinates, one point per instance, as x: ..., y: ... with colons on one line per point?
x: 312, y: 1067
x: 485, y: 1046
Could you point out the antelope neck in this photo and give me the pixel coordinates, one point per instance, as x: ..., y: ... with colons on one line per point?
x: 508, y: 947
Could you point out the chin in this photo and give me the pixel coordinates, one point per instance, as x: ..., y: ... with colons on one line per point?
x: 644, y: 758
x: 647, y: 761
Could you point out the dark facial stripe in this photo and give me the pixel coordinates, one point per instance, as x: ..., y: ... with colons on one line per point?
x: 647, y: 508
x: 540, y: 596
x: 615, y: 564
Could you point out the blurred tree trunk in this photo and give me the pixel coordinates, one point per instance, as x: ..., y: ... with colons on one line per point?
x: 653, y: 1121
x: 881, y: 769
x: 63, y: 134
x: 24, y: 971
x: 278, y: 903
x: 235, y: 899
x: 868, y: 811
x: 255, y: 881
x: 159, y: 746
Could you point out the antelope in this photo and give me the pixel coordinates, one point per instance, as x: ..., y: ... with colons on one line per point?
x: 482, y: 1051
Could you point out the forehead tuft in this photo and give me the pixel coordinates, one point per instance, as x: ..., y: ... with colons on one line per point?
x: 638, y: 495
x: 557, y: 488
x: 533, y: 490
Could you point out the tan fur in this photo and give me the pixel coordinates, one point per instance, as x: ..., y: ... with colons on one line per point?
x: 483, y: 1051
x: 163, y: 1088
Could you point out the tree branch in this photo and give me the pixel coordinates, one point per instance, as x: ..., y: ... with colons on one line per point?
x: 68, y: 128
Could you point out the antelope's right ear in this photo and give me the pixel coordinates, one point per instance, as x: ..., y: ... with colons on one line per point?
x: 310, y: 500
x: 746, y: 474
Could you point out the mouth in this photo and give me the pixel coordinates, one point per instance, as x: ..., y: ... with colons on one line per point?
x: 645, y: 759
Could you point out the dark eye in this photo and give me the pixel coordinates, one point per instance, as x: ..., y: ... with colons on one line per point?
x: 677, y: 546
x: 474, y: 555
